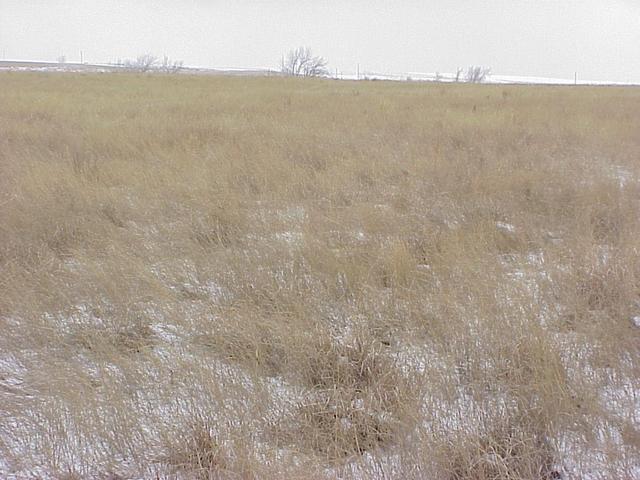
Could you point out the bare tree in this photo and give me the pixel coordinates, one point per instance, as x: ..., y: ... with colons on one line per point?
x: 458, y: 74
x: 170, y: 66
x: 302, y: 62
x: 142, y: 63
x: 477, y: 74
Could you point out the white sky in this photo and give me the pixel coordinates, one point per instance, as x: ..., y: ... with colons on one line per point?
x: 600, y: 39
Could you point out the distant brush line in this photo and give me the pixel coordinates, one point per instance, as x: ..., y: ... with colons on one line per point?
x: 436, y: 77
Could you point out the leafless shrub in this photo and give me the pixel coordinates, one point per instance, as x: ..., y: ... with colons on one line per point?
x: 149, y: 63
x: 142, y: 63
x: 477, y: 74
x: 170, y: 66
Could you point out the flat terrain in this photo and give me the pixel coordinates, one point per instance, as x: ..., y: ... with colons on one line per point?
x: 266, y: 278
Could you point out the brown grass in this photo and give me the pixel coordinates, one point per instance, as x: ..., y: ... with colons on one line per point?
x: 248, y: 278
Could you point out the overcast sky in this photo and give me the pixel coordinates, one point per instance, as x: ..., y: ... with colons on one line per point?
x: 600, y: 39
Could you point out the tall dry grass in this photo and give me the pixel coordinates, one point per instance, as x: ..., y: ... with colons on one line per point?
x: 274, y: 278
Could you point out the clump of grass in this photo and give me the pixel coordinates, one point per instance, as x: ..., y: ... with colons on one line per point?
x: 360, y: 400
x: 243, y: 336
x: 199, y: 454
x: 510, y: 449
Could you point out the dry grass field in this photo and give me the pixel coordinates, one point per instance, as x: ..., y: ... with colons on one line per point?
x: 270, y: 278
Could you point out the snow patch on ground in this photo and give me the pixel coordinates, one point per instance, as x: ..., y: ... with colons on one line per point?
x: 506, y: 227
